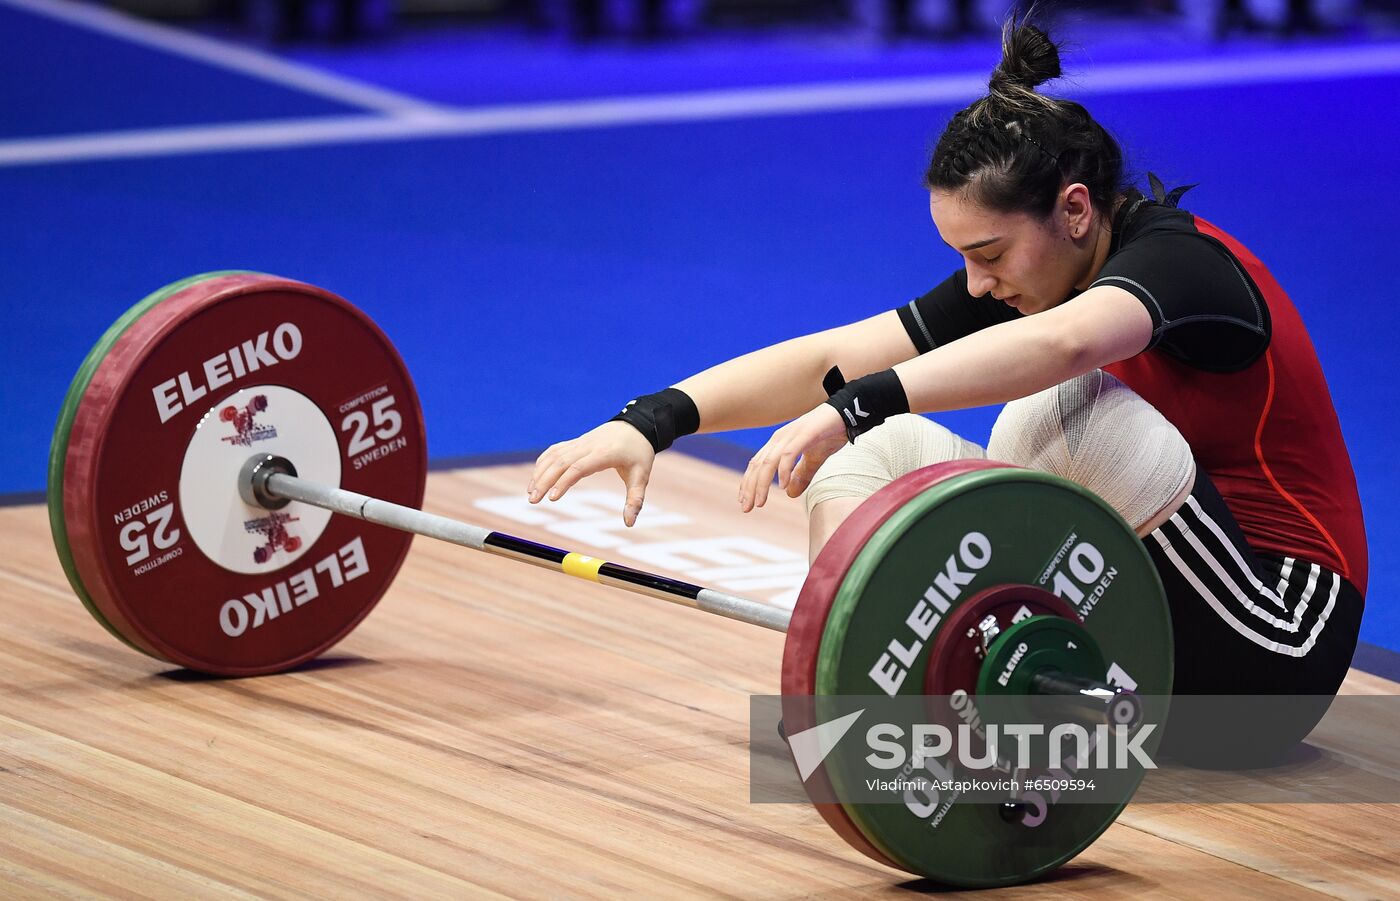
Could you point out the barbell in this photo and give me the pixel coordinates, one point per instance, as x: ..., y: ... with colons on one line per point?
x: 237, y: 471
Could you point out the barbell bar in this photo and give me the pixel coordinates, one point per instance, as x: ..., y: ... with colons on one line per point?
x: 270, y: 482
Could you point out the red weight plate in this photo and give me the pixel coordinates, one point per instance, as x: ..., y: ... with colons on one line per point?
x: 954, y: 661
x: 219, y: 371
x: 813, y: 605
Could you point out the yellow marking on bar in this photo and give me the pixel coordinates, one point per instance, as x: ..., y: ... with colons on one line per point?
x: 582, y: 566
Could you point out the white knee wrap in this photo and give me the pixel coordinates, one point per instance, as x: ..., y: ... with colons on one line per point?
x: 899, y: 446
x: 1096, y: 431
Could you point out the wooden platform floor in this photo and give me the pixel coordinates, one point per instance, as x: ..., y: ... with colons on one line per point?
x: 495, y: 729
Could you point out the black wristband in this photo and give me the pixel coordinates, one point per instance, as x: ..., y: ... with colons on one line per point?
x: 661, y: 417
x: 866, y: 402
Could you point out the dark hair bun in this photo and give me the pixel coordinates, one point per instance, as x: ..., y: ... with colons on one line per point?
x: 1028, y: 58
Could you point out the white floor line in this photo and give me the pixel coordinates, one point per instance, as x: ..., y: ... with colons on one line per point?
x: 1285, y: 67
x: 223, y: 55
x: 156, y: 142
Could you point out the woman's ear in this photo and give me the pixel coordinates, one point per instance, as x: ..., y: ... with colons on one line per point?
x: 1077, y: 209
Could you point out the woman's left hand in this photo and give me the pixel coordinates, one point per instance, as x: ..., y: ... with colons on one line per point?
x: 812, y: 437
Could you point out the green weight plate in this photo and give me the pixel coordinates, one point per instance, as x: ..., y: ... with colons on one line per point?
x: 58, y: 448
x: 983, y: 529
x: 1041, y: 642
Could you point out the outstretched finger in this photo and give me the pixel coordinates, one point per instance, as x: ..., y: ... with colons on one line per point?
x: 747, y: 481
x: 787, y: 464
x: 781, y: 469
x: 576, y: 470
x: 636, y: 480
x: 763, y: 477
x: 542, y: 463
x: 548, y: 477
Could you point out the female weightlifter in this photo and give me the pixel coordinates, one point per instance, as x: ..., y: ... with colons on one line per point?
x: 1141, y: 351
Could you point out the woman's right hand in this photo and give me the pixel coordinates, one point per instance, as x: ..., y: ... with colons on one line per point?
x: 612, y: 445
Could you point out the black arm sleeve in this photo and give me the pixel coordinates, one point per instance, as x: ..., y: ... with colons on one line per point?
x: 948, y: 313
x: 1205, y: 309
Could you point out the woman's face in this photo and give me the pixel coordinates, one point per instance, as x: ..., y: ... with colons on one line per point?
x: 1028, y: 263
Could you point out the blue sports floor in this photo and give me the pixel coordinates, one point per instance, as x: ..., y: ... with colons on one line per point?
x: 540, y: 256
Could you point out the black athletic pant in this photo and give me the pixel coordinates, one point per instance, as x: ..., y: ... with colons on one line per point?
x: 1247, y: 623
